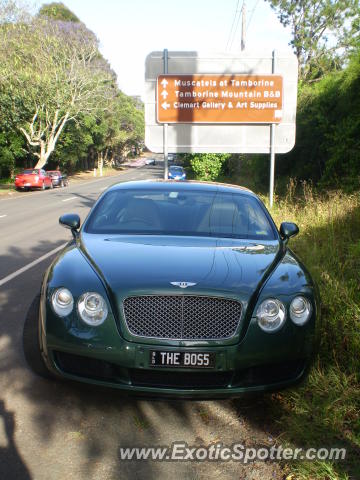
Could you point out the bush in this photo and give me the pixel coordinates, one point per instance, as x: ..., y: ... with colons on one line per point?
x: 327, y: 148
x: 207, y: 166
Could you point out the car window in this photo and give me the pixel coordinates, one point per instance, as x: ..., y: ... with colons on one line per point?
x: 180, y: 212
x: 31, y: 172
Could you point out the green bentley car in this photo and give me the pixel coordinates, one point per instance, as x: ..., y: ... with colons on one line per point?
x: 175, y: 288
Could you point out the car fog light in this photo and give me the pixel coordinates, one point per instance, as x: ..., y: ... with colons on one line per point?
x: 92, y: 308
x: 62, y: 302
x: 271, y: 315
x: 300, y: 310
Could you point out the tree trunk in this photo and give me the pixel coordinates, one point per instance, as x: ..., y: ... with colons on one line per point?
x: 43, y: 156
x: 100, y: 163
x: 46, y: 139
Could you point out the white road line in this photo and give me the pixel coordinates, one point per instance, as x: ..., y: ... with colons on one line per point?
x: 68, y: 199
x: 30, y: 265
x: 104, y: 188
x: 2, y: 216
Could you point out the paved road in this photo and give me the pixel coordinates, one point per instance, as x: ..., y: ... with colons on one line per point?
x: 57, y: 430
x: 29, y: 225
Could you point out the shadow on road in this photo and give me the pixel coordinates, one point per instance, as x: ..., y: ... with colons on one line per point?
x: 11, y: 463
x: 69, y: 429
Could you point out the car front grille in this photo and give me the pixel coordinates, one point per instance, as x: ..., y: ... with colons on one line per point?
x: 182, y: 317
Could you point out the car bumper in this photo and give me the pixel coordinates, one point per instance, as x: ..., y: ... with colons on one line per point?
x: 25, y: 185
x: 179, y: 383
x: 259, y: 362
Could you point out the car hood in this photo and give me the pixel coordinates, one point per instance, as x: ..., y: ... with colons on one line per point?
x: 135, y: 265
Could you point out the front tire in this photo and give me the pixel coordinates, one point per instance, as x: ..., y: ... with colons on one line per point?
x: 31, y: 345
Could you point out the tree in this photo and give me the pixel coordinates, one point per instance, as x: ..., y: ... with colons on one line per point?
x: 58, y: 11
x: 57, y: 70
x: 58, y: 95
x: 12, y: 11
x: 322, y: 32
x: 120, y: 129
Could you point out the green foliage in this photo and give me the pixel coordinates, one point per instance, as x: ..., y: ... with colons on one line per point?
x: 58, y: 94
x: 207, y: 166
x: 11, y: 149
x: 328, y: 120
x: 327, y: 148
x: 74, y: 148
x: 326, y: 409
x: 323, y: 32
x: 57, y: 11
x: 110, y: 136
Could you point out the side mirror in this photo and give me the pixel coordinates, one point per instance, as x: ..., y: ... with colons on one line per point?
x: 288, y: 230
x: 71, y: 221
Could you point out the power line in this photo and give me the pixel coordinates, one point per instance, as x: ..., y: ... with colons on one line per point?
x: 237, y: 25
x: 252, y: 14
x: 243, y: 26
x: 233, y: 23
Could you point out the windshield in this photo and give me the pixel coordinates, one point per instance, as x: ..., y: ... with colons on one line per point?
x: 179, y: 212
x: 30, y: 172
x: 176, y: 169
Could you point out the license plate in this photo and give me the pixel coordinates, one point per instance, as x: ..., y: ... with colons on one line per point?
x: 182, y: 359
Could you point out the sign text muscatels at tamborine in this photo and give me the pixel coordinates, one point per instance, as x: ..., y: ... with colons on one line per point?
x: 218, y: 98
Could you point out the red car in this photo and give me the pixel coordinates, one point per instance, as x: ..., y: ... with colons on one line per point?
x: 33, y: 178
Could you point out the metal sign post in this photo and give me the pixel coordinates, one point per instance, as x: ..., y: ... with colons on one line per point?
x: 165, y: 127
x: 272, y: 148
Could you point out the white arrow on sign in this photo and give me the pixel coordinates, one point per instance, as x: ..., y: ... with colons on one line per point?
x: 164, y: 94
x: 164, y: 82
x: 165, y: 105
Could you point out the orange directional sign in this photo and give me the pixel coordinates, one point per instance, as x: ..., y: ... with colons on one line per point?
x: 224, y: 98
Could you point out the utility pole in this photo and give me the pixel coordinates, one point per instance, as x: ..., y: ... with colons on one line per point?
x: 243, y: 26
x: 272, y: 144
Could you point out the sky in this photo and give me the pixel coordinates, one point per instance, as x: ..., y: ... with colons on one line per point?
x: 128, y: 30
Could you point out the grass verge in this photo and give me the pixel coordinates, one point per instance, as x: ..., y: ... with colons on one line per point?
x: 325, y: 410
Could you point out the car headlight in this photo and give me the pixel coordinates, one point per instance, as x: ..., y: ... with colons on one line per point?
x: 300, y: 310
x: 92, y: 308
x: 271, y: 315
x: 62, y: 302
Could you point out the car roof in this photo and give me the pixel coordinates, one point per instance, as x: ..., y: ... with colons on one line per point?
x: 188, y: 185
